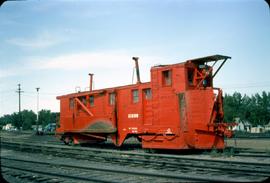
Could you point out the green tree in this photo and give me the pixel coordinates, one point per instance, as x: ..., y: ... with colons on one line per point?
x: 255, y: 109
x: 228, y: 108
x: 29, y: 119
x: 7, y: 118
x: 44, y: 117
x: 233, y: 107
x: 15, y: 117
x: 55, y: 117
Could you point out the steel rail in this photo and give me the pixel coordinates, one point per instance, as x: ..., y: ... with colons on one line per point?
x: 229, y: 167
x: 96, y: 151
x: 121, y: 171
x: 62, y: 175
x: 237, y: 152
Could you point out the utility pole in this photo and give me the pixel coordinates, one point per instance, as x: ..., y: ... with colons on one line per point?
x: 19, y: 91
x: 37, y: 107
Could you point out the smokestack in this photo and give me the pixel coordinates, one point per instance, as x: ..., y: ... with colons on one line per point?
x: 91, y: 81
x: 137, y: 69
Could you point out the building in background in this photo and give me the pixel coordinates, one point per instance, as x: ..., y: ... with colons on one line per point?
x: 9, y: 127
x: 243, y: 126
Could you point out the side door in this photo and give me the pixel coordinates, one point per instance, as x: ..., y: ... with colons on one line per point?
x: 112, y: 108
x: 147, y: 106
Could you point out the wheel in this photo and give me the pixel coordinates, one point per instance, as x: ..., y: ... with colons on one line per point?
x: 71, y: 141
x: 68, y: 140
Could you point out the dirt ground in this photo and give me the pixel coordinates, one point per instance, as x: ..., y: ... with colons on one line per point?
x: 259, y: 143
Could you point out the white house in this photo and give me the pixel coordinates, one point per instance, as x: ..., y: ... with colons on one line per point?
x: 9, y: 127
x: 257, y: 129
x: 243, y: 126
x: 267, y: 127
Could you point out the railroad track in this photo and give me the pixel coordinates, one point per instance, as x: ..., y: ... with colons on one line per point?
x: 31, y: 138
x: 216, y: 169
x: 230, y: 151
x: 243, y: 152
x: 44, y: 172
x: 253, y: 154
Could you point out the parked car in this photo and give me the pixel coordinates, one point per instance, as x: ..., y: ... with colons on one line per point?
x: 50, y: 127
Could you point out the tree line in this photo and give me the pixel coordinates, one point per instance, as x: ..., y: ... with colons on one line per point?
x: 254, y: 109
x: 27, y: 118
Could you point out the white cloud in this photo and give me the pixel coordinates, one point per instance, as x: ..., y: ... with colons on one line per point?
x: 43, y: 40
x: 111, y: 68
x: 4, y: 73
x: 13, y: 71
x: 90, y: 60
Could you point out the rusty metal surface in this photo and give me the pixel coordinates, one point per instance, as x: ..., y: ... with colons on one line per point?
x: 100, y: 127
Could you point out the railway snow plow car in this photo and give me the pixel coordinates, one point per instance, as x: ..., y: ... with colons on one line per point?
x: 178, y: 109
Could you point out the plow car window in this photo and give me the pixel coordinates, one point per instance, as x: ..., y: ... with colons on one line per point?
x: 112, y: 98
x: 91, y: 100
x: 167, y: 78
x: 147, y: 93
x: 71, y: 103
x: 190, y: 76
x: 135, y: 96
x: 83, y: 100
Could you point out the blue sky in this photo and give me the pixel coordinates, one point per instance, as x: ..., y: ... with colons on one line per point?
x: 55, y: 44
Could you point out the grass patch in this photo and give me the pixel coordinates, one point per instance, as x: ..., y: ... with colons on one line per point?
x: 214, y: 153
x: 229, y: 152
